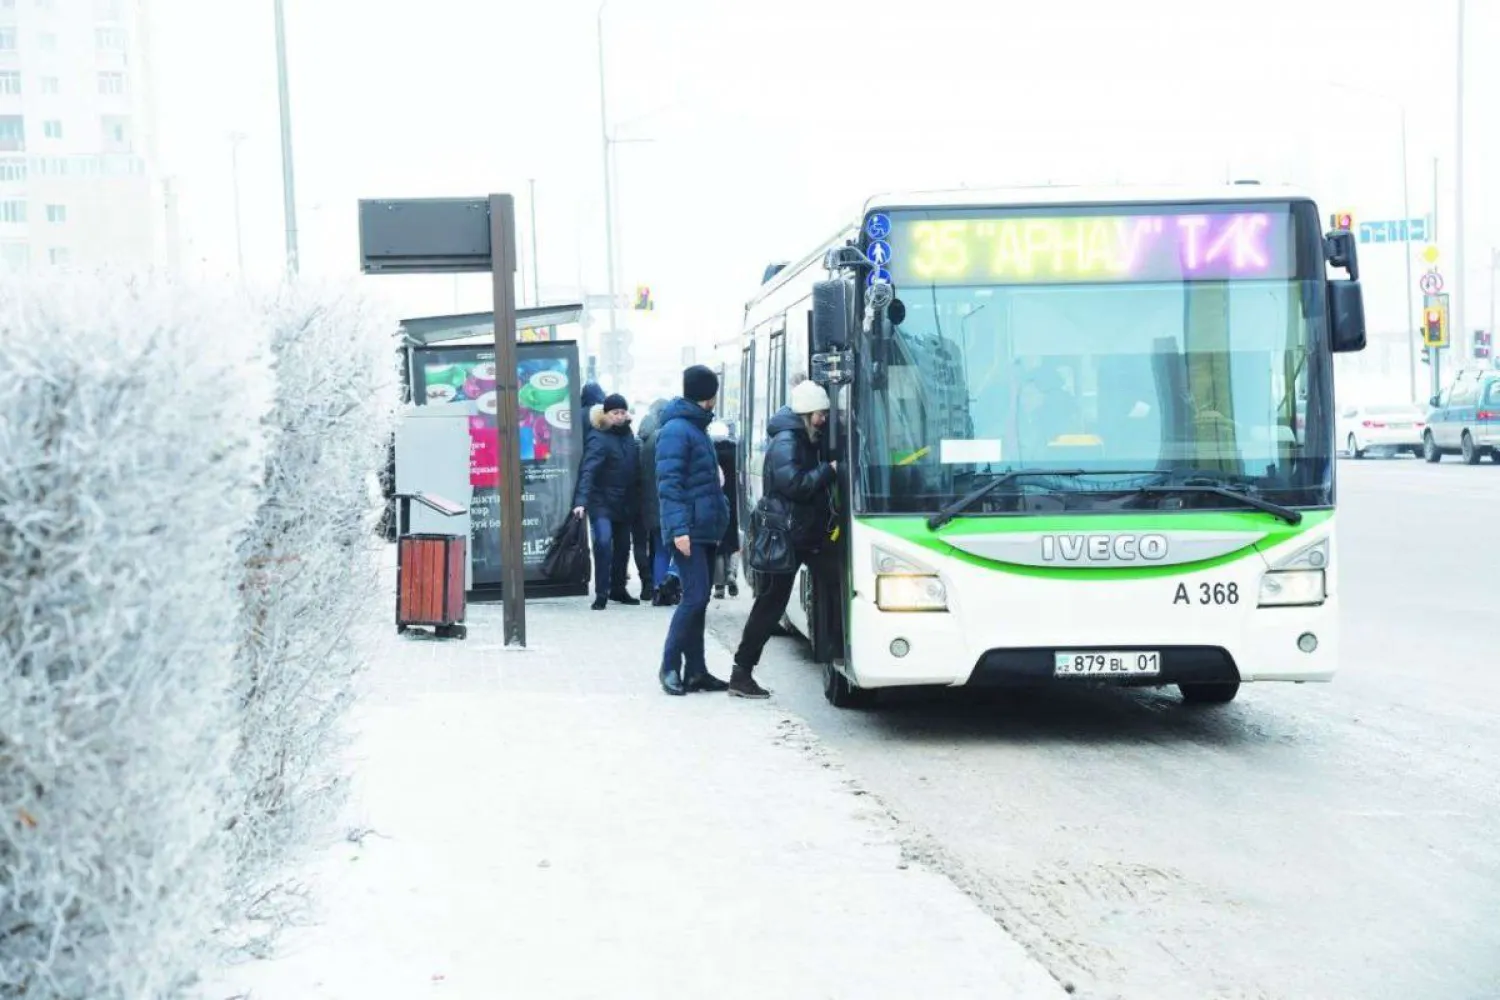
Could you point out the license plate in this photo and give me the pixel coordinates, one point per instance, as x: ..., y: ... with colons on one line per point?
x: 1107, y: 664
x: 1400, y: 427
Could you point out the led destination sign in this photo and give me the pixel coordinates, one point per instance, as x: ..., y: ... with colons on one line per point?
x: 1010, y: 249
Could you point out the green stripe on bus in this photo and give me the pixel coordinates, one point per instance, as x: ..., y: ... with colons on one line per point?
x: 1271, y: 531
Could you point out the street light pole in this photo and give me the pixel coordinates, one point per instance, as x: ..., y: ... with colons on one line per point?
x: 235, y: 138
x: 536, y: 281
x: 609, y: 212
x: 1411, y: 314
x: 288, y: 185
x: 1460, y: 332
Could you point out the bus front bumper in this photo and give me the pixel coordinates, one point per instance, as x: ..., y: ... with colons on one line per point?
x: 1019, y: 649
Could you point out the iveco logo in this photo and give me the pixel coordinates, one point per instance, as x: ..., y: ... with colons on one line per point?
x: 1115, y: 548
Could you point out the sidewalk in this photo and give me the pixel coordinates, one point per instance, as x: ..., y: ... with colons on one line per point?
x: 547, y: 824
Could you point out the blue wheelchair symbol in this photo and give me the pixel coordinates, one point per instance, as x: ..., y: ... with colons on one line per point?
x: 879, y: 226
x: 878, y: 276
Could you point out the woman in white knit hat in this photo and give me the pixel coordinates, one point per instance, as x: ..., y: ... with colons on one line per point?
x: 800, y: 485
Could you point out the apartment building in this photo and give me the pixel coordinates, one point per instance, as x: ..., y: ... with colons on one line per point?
x: 74, y: 127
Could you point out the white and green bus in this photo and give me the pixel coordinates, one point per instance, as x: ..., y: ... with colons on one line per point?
x: 1084, y: 435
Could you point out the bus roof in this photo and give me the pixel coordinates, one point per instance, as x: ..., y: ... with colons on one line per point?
x: 1051, y: 194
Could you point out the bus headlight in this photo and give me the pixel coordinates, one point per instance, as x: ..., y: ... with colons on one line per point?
x: 1314, y: 556
x: 1291, y: 588
x: 904, y: 584
x: 910, y: 593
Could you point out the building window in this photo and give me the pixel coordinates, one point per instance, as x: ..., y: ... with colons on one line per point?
x: 105, y: 10
x: 57, y: 214
x: 12, y: 210
x: 12, y: 169
x: 52, y: 129
x: 10, y: 82
x: 111, y: 83
x: 51, y: 85
x: 58, y: 255
x: 12, y: 133
x: 15, y: 254
x: 116, y: 130
x: 109, y: 39
x: 7, y: 39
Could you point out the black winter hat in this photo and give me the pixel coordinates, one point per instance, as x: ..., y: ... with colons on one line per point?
x: 615, y: 401
x: 699, y: 384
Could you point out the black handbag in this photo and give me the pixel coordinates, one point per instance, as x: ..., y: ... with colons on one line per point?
x: 770, y: 539
x: 568, y: 554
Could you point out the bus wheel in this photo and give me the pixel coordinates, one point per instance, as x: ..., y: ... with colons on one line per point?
x: 840, y: 693
x: 1209, y: 694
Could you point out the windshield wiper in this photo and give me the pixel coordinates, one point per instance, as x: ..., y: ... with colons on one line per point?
x: 963, y: 503
x: 1213, y: 486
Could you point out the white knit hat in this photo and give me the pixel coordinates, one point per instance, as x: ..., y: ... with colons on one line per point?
x: 809, y: 397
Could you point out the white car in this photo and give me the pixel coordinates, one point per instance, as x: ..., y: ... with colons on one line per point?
x: 1389, y: 428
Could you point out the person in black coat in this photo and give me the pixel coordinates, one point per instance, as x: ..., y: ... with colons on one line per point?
x: 801, y: 485
x: 724, y: 574
x: 609, y: 494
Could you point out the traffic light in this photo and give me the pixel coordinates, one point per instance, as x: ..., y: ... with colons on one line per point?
x: 643, y: 300
x: 1426, y: 355
x: 1435, y: 326
x: 1341, y: 220
x: 1481, y: 344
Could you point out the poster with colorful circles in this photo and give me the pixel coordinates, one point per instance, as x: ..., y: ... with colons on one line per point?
x: 548, y: 383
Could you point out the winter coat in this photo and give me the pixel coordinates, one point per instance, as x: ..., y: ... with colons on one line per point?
x: 794, y: 474
x: 650, y: 504
x: 609, y: 481
x: 725, y: 450
x: 687, y: 476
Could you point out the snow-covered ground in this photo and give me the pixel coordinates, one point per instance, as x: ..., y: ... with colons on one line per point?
x: 547, y: 824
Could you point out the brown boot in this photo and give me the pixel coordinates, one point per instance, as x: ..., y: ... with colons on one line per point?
x: 742, y: 685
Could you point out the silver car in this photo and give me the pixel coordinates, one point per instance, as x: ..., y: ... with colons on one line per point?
x: 1465, y: 418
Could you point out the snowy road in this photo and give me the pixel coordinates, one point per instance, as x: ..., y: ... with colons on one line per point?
x: 1321, y: 841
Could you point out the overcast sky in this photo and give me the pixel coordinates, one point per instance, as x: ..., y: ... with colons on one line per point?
x: 772, y: 120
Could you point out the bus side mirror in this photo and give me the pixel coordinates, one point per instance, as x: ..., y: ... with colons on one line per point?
x: 832, y: 303
x: 1346, y: 316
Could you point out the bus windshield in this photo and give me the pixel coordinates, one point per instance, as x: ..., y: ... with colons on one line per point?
x: 1220, y: 376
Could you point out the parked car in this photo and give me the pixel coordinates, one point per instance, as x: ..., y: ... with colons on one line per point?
x: 1465, y: 418
x: 1385, y: 428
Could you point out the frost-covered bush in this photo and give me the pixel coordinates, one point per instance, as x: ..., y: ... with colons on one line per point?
x: 130, y: 427
x: 310, y: 573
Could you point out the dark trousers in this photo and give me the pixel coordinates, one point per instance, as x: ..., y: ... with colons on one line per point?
x: 776, y: 593
x: 637, y: 540
x: 684, y: 646
x: 611, y: 554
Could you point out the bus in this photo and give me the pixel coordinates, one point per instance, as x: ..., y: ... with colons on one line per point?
x: 1083, y: 436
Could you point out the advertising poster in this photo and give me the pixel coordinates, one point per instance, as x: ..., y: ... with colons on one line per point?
x: 551, y: 446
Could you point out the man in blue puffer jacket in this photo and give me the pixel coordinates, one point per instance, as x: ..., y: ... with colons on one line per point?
x: 694, y: 517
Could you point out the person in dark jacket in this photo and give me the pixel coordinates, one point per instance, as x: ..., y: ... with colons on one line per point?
x: 694, y: 517
x: 664, y: 584
x: 589, y: 397
x: 802, y: 485
x: 608, y: 494
x: 724, y: 449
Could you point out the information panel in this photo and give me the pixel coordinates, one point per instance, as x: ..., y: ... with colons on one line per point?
x: 1000, y: 247
x: 551, y: 445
